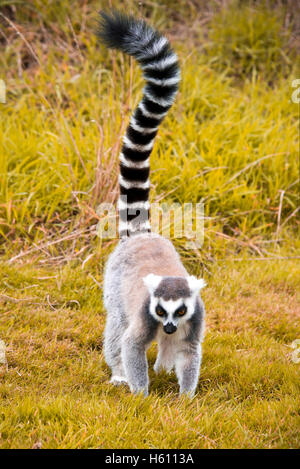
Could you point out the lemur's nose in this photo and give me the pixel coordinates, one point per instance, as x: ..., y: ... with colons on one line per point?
x: 169, y: 328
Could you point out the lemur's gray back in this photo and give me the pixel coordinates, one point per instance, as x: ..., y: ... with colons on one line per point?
x: 161, y: 71
x: 132, y: 260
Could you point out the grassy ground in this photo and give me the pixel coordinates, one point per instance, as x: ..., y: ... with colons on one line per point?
x: 231, y: 142
x: 56, y: 391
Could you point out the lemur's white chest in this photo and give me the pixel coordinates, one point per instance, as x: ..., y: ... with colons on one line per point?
x: 170, y: 347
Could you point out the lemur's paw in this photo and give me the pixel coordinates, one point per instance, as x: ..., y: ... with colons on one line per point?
x: 118, y: 380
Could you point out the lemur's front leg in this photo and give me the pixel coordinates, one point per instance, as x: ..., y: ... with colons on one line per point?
x: 157, y: 365
x: 135, y: 363
x: 187, y: 366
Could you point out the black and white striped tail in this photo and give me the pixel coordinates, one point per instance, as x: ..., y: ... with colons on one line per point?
x: 161, y: 71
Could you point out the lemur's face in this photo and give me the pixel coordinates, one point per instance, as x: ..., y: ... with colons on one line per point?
x: 172, y: 299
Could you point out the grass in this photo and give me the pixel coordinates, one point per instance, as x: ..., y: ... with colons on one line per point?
x: 56, y: 392
x: 231, y: 142
x: 258, y: 44
x: 62, y: 128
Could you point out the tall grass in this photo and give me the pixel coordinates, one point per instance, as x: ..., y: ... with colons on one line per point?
x: 258, y: 44
x: 233, y: 146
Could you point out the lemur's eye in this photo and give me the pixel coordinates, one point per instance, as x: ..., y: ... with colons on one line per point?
x: 160, y: 311
x: 181, y: 311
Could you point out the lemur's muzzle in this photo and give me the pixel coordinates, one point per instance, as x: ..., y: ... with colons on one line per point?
x: 169, y: 328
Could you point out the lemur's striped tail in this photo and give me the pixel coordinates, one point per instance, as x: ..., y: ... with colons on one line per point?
x: 161, y: 71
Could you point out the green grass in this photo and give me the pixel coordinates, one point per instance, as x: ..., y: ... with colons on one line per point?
x: 231, y: 141
x: 258, y: 44
x: 236, y: 145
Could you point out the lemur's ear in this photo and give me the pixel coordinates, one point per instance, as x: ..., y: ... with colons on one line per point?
x: 152, y: 281
x: 195, y: 284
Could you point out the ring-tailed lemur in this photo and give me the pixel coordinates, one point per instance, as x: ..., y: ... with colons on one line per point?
x: 148, y: 293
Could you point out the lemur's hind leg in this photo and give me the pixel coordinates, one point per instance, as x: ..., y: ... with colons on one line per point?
x: 113, y: 334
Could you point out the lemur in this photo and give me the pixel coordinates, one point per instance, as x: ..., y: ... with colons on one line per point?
x: 148, y: 294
